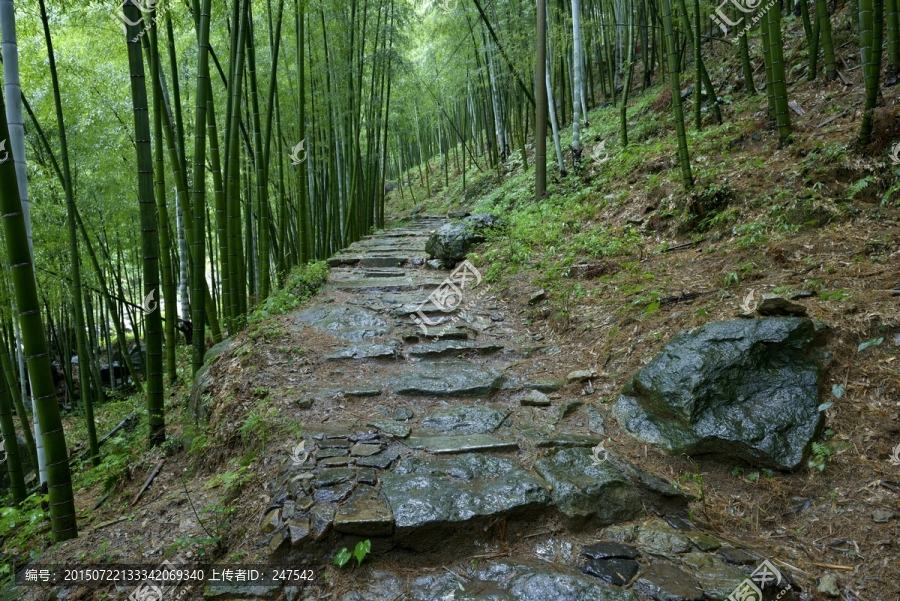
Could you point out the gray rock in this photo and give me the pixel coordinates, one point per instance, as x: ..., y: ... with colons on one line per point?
x: 535, y: 398
x: 326, y: 453
x: 266, y: 586
x: 828, y: 586
x: 567, y: 409
x: 351, y: 323
x: 668, y: 583
x: 431, y: 498
x: 579, y: 375
x: 596, y: 421
x: 335, y: 461
x: 304, y: 403
x: 382, y: 460
x: 393, y: 428
x: 320, y: 519
x: 378, y: 585
x: 453, y: 241
x: 447, y: 378
x: 585, y: 491
x: 364, y: 350
x: 537, y: 297
x: 742, y: 389
x: 366, y: 513
x: 772, y: 305
x: 452, y: 347
x: 615, y: 571
x: 333, y: 494
x: 364, y: 450
x: 362, y: 392
x: 336, y: 475
x: 382, y: 261
x: 540, y: 582
x: 367, y: 476
x: 659, y: 538
x: 300, y: 530
x: 464, y: 419
x: 881, y: 516
x: 435, y: 264
x: 545, y: 385
x: 468, y: 443
x: 198, y: 401
x: 717, y: 579
x: 608, y: 550
x: 737, y: 557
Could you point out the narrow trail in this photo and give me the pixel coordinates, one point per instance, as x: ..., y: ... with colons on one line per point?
x: 469, y: 457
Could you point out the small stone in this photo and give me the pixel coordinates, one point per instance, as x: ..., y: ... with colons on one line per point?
x: 366, y: 513
x: 401, y: 414
x: 305, y: 403
x: 772, y: 305
x: 617, y: 572
x: 417, y: 261
x: 382, y: 460
x: 802, y: 294
x: 270, y: 521
x: 336, y: 475
x: 299, y: 529
x: 303, y: 503
x: 367, y: 476
x: 595, y: 421
x: 364, y: 450
x: 335, y: 461
x: 624, y: 532
x: 326, y: 453
x: 881, y: 516
x: 364, y: 436
x: 703, y: 542
x: 335, y: 443
x: 434, y: 264
x: 394, y: 429
x: 320, y: 519
x: 362, y: 392
x: 535, y: 398
x: 537, y: 297
x: 287, y: 511
x: 567, y: 409
x: 497, y: 317
x: 545, y: 385
x: 334, y: 494
x: 659, y: 538
x: 280, y: 540
x: 828, y: 586
x: 579, y: 375
x: 663, y: 581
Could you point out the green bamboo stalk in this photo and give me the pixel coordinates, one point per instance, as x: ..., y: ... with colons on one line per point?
x: 59, y: 479
x: 153, y: 335
x: 779, y: 81
x: 893, y: 36
x: 199, y: 200
x: 871, y: 39
x: 11, y: 444
x: 77, y: 298
x: 826, y: 40
x: 675, y: 81
x: 16, y: 394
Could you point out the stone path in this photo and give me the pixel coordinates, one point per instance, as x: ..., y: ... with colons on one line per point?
x: 467, y: 458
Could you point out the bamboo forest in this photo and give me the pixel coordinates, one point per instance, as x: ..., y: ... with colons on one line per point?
x: 445, y: 300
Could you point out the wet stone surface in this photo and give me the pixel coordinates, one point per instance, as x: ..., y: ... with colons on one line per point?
x: 465, y: 419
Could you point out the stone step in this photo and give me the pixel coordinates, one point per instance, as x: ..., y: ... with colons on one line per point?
x: 452, y: 347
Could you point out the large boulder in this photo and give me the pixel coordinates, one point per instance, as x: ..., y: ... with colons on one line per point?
x: 453, y: 241
x: 742, y: 389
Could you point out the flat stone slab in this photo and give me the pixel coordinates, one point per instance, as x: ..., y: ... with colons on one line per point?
x: 584, y: 490
x: 383, y: 261
x: 451, y: 347
x: 393, y: 428
x: 351, y: 323
x: 465, y: 419
x: 366, y: 513
x: 616, y: 571
x: 610, y: 549
x: 332, y: 476
x: 382, y: 460
x: 717, y: 578
x: 446, y: 379
x: 664, y: 582
x: 364, y: 350
x: 659, y: 538
x: 513, y: 581
x: 535, y: 398
x: 432, y: 497
x: 460, y: 444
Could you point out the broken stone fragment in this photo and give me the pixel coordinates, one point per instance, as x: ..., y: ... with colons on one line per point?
x: 270, y: 521
x: 579, y: 375
x: 535, y: 398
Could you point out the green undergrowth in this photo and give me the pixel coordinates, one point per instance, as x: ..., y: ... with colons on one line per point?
x: 302, y: 283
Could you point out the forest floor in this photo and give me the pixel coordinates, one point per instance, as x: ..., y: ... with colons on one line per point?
x: 817, y: 216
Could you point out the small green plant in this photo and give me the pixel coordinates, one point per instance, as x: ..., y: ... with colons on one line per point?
x: 360, y: 552
x: 820, y: 453
x: 753, y: 477
x: 737, y: 471
x: 732, y: 279
x: 837, y: 295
